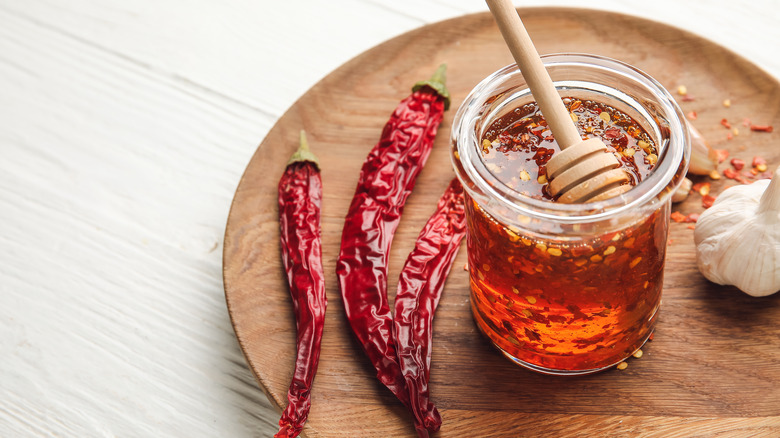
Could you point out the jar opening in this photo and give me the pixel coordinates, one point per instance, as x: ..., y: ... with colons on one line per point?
x: 577, y: 76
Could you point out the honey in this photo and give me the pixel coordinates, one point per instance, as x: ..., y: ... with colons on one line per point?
x: 567, y: 288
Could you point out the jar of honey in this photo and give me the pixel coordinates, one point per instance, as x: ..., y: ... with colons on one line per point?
x: 567, y: 288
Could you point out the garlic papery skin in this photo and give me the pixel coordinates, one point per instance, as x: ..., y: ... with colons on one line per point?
x: 738, y: 238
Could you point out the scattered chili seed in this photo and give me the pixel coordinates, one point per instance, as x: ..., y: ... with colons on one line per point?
x: 638, y: 354
x: 715, y: 175
x: 635, y: 262
x: 530, y: 299
x: 486, y: 267
x: 610, y: 250
x: 707, y: 201
x: 596, y: 258
x: 725, y: 123
x: 524, y: 175
x: 761, y: 128
x: 737, y: 164
x: 735, y: 131
x: 651, y: 159
x: 542, y: 179
x: 622, y: 365
x: 682, y: 90
x: 629, y: 152
x: 554, y: 251
x: 604, y: 116
x: 727, y: 103
x: 759, y: 163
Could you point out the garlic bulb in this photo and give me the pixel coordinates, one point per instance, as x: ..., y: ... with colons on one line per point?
x: 738, y: 238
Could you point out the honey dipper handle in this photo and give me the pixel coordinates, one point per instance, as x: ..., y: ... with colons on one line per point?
x: 533, y: 70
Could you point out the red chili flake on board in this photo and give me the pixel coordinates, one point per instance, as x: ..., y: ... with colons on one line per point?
x: 652, y: 335
x: 729, y: 136
x: 761, y: 128
x: 737, y: 163
x: 766, y: 175
x: 688, y: 98
x: 730, y: 173
x: 746, y: 122
x: 707, y: 201
x: 691, y: 227
x: 722, y: 155
x: 693, y: 217
x: 677, y: 216
x: 692, y: 115
x: 726, y: 123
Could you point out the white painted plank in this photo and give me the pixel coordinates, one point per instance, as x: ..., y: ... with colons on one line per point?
x: 115, y: 185
x: 264, y: 54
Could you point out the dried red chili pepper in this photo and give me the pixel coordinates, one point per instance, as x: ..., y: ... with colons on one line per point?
x: 300, y: 199
x: 386, y: 180
x: 761, y: 128
x: 419, y: 289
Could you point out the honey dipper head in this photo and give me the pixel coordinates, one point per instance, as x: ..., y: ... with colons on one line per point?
x: 586, y: 172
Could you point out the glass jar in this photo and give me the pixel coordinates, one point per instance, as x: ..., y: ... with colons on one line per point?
x: 569, y: 288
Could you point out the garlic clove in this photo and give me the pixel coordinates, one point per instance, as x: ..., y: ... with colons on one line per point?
x: 704, y: 159
x: 738, y: 238
x: 682, y: 191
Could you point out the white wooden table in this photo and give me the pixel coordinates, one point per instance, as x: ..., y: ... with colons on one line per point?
x: 124, y: 129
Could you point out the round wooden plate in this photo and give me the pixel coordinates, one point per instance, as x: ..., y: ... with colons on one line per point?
x: 714, y: 365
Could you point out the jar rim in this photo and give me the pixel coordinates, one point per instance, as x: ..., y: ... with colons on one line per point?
x: 667, y: 174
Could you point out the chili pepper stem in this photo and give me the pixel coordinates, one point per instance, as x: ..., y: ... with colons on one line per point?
x: 303, y: 153
x: 438, y: 82
x: 770, y: 200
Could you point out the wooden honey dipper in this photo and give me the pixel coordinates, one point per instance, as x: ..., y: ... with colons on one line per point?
x: 584, y: 170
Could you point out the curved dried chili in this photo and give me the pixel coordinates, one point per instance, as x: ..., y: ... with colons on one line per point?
x: 419, y: 289
x: 386, y: 180
x: 300, y: 199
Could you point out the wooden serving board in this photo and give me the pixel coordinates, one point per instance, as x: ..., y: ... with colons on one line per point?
x: 714, y: 365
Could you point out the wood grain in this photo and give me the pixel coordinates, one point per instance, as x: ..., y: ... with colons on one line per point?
x: 714, y: 365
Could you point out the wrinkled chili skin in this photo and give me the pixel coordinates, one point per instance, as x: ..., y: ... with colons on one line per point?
x: 419, y: 289
x: 300, y: 199
x: 386, y: 180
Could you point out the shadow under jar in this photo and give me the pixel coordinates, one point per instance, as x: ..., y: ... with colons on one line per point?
x: 567, y: 288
